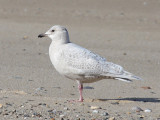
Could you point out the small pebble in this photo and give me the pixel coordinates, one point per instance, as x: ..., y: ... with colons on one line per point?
x: 95, y: 111
x: 111, y: 118
x: 95, y: 107
x: 40, y: 88
x: 52, y: 111
x: 1, y: 105
x: 61, y: 116
x: 24, y: 49
x: 124, y: 53
x: 39, y: 53
x: 22, y: 106
x: 26, y: 115
x: 25, y: 37
x: 104, y: 114
x: 82, y: 104
x: 65, y: 108
x: 146, y: 87
x: 88, y: 87
x: 136, y: 109
x: 52, y: 119
x: 141, y: 117
x: 147, y: 110
x: 128, y: 113
x: 43, y: 104
x: 115, y: 103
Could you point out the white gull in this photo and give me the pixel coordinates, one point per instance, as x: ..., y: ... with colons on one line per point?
x: 80, y: 64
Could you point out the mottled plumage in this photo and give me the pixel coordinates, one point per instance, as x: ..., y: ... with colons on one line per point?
x: 78, y: 63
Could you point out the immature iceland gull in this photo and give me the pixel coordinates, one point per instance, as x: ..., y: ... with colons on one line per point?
x: 80, y: 64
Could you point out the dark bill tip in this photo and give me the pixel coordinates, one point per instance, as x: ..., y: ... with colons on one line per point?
x: 42, y: 35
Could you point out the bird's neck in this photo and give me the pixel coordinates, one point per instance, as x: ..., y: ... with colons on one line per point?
x: 61, y: 38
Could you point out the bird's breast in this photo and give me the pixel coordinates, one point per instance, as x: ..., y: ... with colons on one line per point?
x: 55, y: 57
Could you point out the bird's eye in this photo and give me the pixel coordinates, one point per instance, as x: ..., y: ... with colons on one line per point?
x: 53, y: 30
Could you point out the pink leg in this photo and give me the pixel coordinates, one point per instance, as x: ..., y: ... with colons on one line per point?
x: 80, y: 87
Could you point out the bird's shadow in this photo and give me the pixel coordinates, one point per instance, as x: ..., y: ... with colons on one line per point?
x: 153, y: 100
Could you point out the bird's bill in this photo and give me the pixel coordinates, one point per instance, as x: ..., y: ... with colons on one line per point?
x: 42, y: 35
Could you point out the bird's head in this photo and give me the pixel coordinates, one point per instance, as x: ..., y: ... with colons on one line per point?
x: 56, y: 33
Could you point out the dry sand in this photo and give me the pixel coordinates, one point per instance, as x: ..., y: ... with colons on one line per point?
x: 126, y: 32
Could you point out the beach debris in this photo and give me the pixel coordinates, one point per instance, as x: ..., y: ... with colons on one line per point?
x: 19, y: 92
x: 88, y: 87
x: 41, y: 89
x: 147, y: 110
x: 39, y: 53
x: 82, y: 104
x: 146, y: 87
x: 112, y: 118
x: 104, y: 114
x: 65, y: 108
x: 24, y: 49
x: 8, y: 104
x: 136, y: 109
x: 26, y: 115
x: 25, y: 37
x: 95, y: 107
x: 95, y: 111
x: 22, y: 106
x: 153, y: 92
x: 141, y: 117
x: 115, y: 103
x: 52, y: 111
x: 128, y: 113
x: 1, y: 105
x: 124, y: 53
x: 61, y: 116
x: 14, y: 91
x: 43, y: 104
x: 52, y: 119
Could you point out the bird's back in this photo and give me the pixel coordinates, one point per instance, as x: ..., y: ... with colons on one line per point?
x: 76, y: 62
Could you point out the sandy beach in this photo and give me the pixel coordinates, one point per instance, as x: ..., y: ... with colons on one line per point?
x: 124, y: 32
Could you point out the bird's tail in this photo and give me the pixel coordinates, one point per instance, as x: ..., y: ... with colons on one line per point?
x: 127, y: 77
